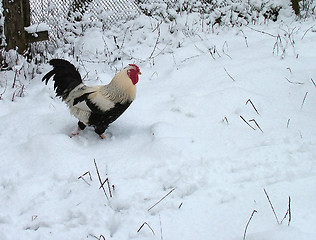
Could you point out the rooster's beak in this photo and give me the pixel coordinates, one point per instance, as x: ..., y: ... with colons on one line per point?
x: 139, y: 73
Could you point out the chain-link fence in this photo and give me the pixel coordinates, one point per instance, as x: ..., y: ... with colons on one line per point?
x: 54, y: 12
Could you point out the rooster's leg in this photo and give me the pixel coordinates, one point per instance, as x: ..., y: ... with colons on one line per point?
x: 102, y: 136
x: 99, y: 129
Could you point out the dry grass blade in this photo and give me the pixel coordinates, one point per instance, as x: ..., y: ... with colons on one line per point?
x: 304, y: 100
x: 82, y: 177
x: 288, y: 123
x: 253, y: 212
x: 229, y: 75
x: 249, y: 101
x: 99, y: 238
x: 288, y: 213
x: 247, y: 122
x: 225, y: 120
x: 161, y: 199
x: 108, y: 184
x: 299, y: 83
x: 276, y: 217
x: 155, y: 46
x: 253, y: 120
x: 100, y: 180
x: 145, y: 223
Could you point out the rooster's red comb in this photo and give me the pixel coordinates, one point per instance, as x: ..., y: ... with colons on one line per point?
x: 135, y: 66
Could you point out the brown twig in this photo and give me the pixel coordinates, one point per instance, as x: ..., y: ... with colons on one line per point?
x: 145, y: 223
x: 247, y: 122
x: 276, y: 217
x: 313, y: 82
x: 100, y: 180
x: 161, y: 199
x: 253, y: 212
x: 249, y: 101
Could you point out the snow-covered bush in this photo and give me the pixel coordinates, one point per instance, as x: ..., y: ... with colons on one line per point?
x: 222, y: 12
x: 307, y: 8
x: 163, y: 27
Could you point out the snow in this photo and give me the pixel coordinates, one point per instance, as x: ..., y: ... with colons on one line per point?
x: 40, y: 27
x: 182, y: 141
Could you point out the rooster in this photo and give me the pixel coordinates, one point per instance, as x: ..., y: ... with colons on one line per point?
x: 96, y: 106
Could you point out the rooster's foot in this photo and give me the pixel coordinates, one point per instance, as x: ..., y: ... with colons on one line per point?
x: 75, y: 133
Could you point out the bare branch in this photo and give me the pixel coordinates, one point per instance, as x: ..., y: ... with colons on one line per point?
x: 155, y: 46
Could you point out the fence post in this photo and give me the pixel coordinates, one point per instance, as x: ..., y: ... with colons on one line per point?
x: 16, y: 18
x: 296, y: 6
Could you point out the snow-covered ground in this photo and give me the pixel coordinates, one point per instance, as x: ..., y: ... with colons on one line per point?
x: 181, y: 162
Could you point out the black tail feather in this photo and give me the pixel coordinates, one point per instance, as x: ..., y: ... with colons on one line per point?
x: 66, y: 77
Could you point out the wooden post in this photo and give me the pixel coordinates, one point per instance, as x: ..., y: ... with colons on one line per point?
x: 17, y: 17
x: 296, y: 6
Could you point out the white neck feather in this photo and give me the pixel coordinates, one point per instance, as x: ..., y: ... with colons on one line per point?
x: 121, y: 87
